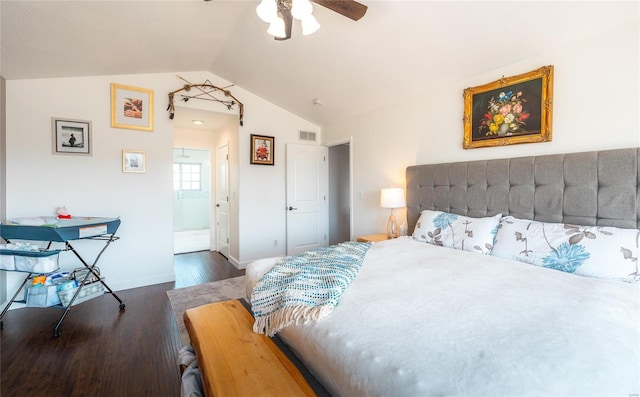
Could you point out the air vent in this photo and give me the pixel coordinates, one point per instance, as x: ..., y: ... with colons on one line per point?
x: 307, y: 136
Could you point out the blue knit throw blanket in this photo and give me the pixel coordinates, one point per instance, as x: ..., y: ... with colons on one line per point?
x: 305, y: 287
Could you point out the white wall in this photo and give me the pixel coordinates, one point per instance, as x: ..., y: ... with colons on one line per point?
x: 39, y: 181
x: 262, y: 192
x: 595, y: 106
x: 257, y: 202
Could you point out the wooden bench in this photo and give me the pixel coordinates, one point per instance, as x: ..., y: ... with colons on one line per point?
x: 235, y: 361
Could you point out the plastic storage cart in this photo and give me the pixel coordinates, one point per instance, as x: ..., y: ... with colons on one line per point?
x: 63, y: 231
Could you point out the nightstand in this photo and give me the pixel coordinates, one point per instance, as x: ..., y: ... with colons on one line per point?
x: 372, y: 238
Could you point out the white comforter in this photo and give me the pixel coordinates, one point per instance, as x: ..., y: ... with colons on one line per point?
x: 421, y: 320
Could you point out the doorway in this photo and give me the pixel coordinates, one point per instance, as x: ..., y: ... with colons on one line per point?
x: 211, y: 131
x: 191, y: 199
x: 339, y: 193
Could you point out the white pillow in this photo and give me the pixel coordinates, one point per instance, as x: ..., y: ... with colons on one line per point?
x: 457, y: 231
x: 594, y: 251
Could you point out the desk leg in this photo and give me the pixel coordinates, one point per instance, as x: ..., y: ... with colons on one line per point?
x: 69, y: 247
x: 13, y: 299
x: 109, y: 241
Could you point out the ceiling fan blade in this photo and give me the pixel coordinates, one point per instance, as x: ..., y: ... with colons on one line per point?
x: 288, y: 21
x: 349, y: 8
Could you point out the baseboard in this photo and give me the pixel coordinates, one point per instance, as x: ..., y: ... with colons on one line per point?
x: 238, y: 265
x: 142, y: 282
x: 14, y: 306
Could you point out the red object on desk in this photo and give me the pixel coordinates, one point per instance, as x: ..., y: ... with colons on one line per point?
x: 64, y: 216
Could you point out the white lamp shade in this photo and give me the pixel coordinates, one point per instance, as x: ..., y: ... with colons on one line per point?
x: 301, y: 9
x: 267, y: 10
x: 277, y: 28
x: 309, y: 25
x: 392, y: 198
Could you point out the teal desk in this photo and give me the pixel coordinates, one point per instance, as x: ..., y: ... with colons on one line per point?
x: 64, y: 231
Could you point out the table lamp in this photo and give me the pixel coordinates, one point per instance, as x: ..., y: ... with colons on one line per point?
x: 392, y: 198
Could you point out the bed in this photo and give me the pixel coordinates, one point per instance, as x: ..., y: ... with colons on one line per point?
x: 428, y: 315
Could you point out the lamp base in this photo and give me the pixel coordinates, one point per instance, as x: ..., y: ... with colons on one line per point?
x: 393, y: 231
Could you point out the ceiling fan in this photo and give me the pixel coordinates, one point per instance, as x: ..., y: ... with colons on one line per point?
x: 348, y: 8
x: 280, y: 14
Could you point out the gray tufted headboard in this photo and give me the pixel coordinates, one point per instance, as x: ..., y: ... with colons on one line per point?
x: 589, y: 188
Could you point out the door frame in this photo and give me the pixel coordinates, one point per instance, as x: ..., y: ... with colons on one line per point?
x: 215, y: 207
x: 348, y: 141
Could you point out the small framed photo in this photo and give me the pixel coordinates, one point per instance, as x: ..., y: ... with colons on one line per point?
x: 262, y: 149
x: 133, y: 161
x: 131, y: 107
x: 71, y: 136
x: 510, y: 110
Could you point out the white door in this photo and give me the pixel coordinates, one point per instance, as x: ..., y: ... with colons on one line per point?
x: 222, y: 200
x: 307, y: 204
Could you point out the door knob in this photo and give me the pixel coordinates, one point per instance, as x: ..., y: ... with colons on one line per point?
x: 217, y: 205
x: 292, y: 208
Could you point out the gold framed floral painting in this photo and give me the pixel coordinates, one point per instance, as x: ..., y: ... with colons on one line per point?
x: 131, y: 107
x: 510, y: 110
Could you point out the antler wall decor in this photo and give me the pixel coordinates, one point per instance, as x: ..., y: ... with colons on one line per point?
x: 208, y: 92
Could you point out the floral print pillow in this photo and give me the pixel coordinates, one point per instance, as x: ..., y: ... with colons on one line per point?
x: 457, y: 231
x: 594, y: 251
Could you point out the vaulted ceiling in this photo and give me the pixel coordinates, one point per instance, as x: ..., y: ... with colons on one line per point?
x: 399, y: 49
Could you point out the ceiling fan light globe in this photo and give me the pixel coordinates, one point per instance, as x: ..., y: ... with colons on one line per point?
x: 276, y: 28
x: 309, y: 25
x: 267, y: 10
x: 300, y: 9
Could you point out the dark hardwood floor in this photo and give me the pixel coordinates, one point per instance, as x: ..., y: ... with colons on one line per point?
x: 103, y: 351
x: 202, y: 267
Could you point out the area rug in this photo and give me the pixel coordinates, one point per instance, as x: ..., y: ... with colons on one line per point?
x: 182, y: 299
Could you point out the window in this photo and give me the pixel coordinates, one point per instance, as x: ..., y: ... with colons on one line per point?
x: 186, y: 176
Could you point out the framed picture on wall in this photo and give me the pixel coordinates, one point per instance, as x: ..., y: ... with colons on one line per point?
x: 131, y: 107
x: 510, y: 110
x: 133, y: 161
x: 262, y: 149
x: 71, y: 136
